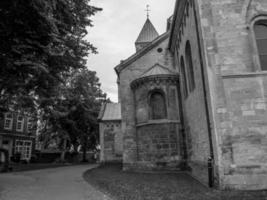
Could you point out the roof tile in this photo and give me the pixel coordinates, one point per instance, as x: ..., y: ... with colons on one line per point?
x: 112, y: 111
x: 148, y: 33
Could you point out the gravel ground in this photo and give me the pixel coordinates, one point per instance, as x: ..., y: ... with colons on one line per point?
x: 147, y: 186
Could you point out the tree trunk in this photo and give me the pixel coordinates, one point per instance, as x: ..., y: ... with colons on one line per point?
x: 63, y: 153
x: 84, y: 149
x: 4, y: 153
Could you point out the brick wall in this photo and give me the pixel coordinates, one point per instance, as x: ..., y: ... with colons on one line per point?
x: 13, y: 130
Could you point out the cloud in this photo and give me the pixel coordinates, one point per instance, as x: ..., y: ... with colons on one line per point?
x: 115, y: 31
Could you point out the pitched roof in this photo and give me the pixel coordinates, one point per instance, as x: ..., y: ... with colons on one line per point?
x: 157, y: 69
x: 110, y: 111
x: 148, y: 33
x: 101, y: 112
x: 142, y: 52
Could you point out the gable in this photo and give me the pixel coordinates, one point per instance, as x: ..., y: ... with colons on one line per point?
x: 156, y: 70
x: 124, y: 64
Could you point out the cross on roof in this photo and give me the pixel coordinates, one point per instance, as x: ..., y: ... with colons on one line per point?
x: 147, y: 10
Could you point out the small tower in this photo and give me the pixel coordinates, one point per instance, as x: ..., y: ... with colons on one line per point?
x: 147, y: 34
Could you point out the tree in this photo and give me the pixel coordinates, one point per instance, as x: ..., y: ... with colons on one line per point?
x: 42, y: 41
x: 4, y: 155
x: 76, y: 108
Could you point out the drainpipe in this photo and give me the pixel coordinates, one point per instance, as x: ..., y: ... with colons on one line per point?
x: 211, y: 157
x: 182, y: 129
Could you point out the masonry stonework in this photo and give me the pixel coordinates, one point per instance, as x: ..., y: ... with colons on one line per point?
x: 126, y: 76
x: 238, y: 90
x: 195, y: 97
x: 110, y: 133
x: 195, y: 124
x: 111, y: 141
x: 158, y: 140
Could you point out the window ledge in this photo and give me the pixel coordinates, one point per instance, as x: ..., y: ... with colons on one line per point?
x: 17, y: 134
x: 244, y: 75
x: 160, y: 121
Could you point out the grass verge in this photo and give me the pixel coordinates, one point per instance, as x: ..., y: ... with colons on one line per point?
x: 120, y: 185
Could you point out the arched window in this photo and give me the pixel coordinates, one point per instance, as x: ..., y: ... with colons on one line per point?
x: 190, y: 67
x: 183, y: 75
x: 260, y: 29
x: 157, y: 105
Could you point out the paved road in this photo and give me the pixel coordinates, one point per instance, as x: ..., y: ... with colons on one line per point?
x: 63, y: 183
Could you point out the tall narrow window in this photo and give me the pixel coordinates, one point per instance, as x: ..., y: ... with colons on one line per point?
x: 260, y: 29
x: 157, y: 106
x: 190, y: 67
x: 29, y: 124
x: 20, y: 122
x: 183, y: 74
x: 8, y: 121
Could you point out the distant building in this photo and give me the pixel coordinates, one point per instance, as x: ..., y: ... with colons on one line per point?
x: 17, y: 134
x: 110, y: 133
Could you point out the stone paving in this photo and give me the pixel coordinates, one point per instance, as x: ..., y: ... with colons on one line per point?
x: 63, y: 183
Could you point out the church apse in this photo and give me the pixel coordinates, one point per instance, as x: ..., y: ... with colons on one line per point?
x: 157, y: 119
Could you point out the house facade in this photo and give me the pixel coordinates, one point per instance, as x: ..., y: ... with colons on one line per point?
x: 17, y: 134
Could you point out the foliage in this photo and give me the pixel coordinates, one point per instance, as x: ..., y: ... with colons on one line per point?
x: 42, y: 41
x: 74, y: 112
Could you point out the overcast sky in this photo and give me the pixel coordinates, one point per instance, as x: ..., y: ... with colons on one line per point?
x: 115, y: 30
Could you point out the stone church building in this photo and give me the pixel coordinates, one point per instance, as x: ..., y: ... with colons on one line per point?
x: 195, y: 97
